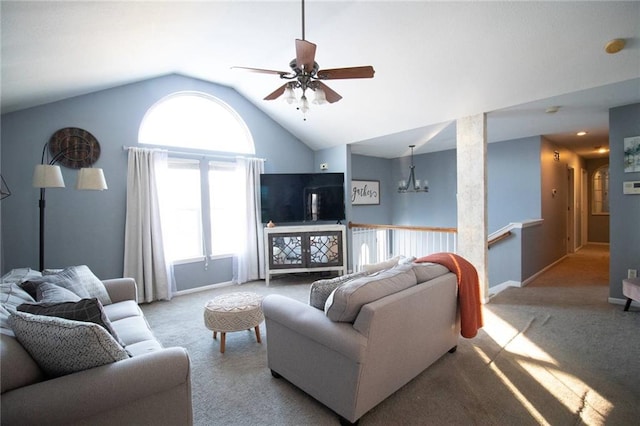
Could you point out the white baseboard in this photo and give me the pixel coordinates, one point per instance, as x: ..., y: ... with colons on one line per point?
x: 537, y: 274
x: 493, y: 291
x: 203, y: 288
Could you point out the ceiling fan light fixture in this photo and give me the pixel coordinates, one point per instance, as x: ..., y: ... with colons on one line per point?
x: 304, y: 104
x: 320, y: 97
x: 289, y: 94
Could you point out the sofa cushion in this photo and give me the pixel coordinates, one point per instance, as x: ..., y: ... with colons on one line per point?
x: 78, y: 279
x: 87, y: 310
x: 321, y: 289
x: 20, y: 275
x: 62, y: 346
x: 343, y: 305
x: 428, y: 271
x: 51, y: 293
x: 124, y: 309
x: 14, y: 355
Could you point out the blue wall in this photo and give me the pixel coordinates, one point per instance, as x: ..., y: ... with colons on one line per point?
x: 624, y: 218
x: 85, y: 227
x: 514, y: 186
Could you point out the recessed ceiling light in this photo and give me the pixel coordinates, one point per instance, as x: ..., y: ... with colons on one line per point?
x: 615, y: 45
x: 582, y: 133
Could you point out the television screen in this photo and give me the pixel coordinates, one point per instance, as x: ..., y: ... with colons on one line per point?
x: 302, y: 197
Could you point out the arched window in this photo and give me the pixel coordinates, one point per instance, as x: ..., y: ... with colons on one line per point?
x: 205, y: 191
x: 195, y: 120
x: 600, y: 191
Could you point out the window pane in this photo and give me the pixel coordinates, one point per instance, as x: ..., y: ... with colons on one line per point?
x: 182, y: 216
x: 195, y: 120
x: 226, y: 208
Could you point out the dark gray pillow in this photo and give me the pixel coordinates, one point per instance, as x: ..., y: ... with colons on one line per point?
x: 78, y: 279
x: 85, y: 310
x: 51, y: 293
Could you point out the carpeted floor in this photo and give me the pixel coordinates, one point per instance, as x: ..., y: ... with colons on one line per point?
x: 547, y: 355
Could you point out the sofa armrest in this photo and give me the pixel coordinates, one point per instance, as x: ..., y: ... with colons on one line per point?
x: 89, y: 393
x: 313, y: 324
x: 121, y: 289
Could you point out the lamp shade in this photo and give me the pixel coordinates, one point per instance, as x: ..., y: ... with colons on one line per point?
x: 90, y: 178
x: 47, y: 176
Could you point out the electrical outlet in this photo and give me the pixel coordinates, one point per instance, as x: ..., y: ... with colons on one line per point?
x: 632, y: 273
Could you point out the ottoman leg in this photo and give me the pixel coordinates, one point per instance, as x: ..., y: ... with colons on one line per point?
x: 215, y: 334
x: 258, y: 334
x: 223, y: 336
x: 628, y: 304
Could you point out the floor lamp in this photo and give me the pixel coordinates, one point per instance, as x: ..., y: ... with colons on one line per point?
x: 74, y: 148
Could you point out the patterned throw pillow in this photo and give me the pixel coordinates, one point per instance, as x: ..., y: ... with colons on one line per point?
x: 78, y: 279
x: 11, y: 296
x: 87, y: 310
x: 62, y: 346
x: 321, y: 289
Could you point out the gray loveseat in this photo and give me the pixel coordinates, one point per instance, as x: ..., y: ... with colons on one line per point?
x: 151, y: 385
x: 376, y: 333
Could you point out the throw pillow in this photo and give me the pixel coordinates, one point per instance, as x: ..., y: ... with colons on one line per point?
x: 86, y: 310
x: 78, y: 279
x: 321, y: 289
x: 62, y: 346
x: 376, y: 267
x: 19, y: 275
x: 428, y: 271
x: 11, y: 296
x: 51, y: 293
x: 343, y: 305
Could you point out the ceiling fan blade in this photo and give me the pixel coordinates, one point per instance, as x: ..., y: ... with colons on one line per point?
x: 305, y: 54
x: 331, y: 95
x: 276, y: 93
x: 263, y: 71
x: 342, y: 73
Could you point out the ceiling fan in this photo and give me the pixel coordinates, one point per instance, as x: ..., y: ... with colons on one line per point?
x: 306, y: 74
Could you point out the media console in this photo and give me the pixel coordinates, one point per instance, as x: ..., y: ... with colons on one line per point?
x: 293, y: 249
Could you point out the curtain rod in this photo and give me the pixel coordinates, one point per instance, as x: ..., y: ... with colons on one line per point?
x: 198, y: 154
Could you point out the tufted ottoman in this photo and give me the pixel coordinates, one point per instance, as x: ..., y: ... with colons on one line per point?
x: 234, y: 312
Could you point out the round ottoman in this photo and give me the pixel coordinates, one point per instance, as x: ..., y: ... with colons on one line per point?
x: 234, y: 312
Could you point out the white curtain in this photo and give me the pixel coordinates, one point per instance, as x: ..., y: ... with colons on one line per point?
x: 248, y: 263
x: 144, y: 256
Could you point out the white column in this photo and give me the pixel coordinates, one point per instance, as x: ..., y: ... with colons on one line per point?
x: 472, y: 195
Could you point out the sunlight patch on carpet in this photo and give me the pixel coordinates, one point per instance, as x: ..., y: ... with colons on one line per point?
x: 577, y: 396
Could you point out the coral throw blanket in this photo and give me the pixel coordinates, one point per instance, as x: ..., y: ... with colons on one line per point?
x: 468, y: 290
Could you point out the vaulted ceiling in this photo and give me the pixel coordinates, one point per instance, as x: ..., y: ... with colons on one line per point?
x: 434, y: 61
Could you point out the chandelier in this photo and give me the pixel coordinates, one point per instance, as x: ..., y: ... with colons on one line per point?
x: 411, y: 184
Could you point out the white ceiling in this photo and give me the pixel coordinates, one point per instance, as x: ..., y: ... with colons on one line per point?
x: 435, y: 61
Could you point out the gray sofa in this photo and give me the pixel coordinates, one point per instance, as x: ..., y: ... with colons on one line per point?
x: 151, y: 386
x: 376, y: 333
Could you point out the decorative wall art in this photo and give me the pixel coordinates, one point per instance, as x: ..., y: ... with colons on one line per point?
x: 632, y: 154
x: 365, y: 192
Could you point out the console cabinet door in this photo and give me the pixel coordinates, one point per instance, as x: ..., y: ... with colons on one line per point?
x: 287, y: 251
x: 324, y: 248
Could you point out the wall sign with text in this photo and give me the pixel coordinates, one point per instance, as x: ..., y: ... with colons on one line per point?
x: 365, y: 192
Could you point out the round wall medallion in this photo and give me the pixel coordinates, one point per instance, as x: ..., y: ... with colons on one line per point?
x: 74, y: 148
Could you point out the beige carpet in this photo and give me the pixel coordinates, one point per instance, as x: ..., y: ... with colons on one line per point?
x: 588, y: 266
x: 546, y: 355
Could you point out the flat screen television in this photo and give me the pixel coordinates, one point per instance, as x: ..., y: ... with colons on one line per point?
x: 302, y: 197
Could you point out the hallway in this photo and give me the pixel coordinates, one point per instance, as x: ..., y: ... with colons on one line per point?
x: 589, y: 266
